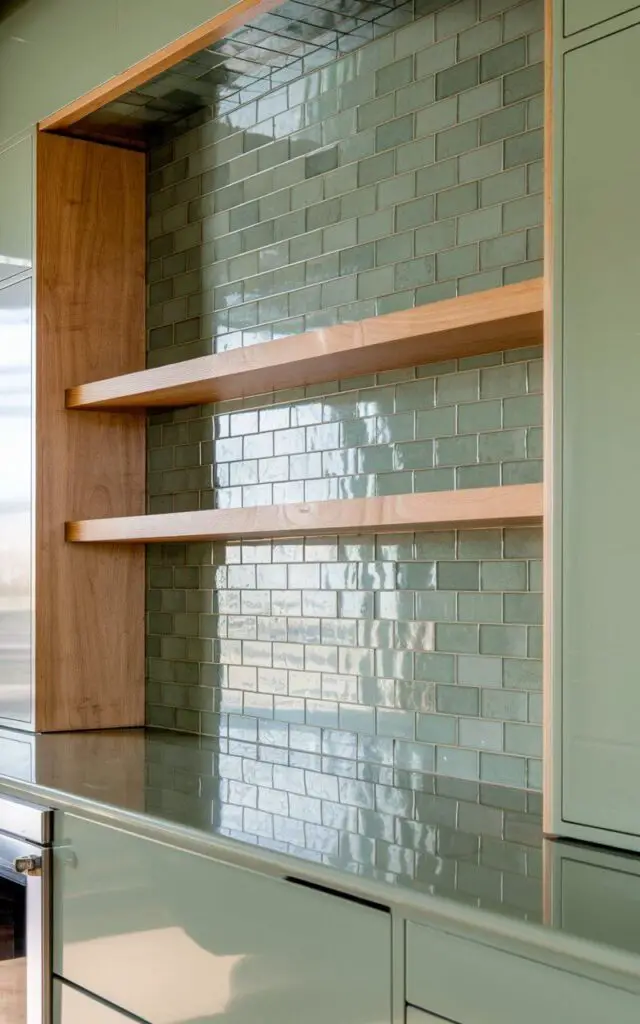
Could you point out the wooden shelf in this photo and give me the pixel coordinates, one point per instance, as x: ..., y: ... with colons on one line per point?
x: 488, y: 506
x: 490, y: 321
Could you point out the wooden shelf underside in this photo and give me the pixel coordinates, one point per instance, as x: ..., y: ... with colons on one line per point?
x: 490, y: 321
x: 488, y: 506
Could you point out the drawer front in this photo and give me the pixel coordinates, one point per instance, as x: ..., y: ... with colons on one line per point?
x: 499, y: 988
x: 73, y: 1007
x: 579, y: 14
x: 173, y: 937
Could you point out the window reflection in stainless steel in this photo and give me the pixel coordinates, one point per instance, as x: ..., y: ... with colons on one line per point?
x: 15, y: 502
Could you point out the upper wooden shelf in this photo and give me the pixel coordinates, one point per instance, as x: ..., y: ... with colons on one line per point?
x: 487, y: 506
x: 489, y: 321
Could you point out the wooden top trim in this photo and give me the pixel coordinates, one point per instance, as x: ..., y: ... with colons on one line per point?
x: 517, y: 504
x: 144, y: 70
x: 489, y: 321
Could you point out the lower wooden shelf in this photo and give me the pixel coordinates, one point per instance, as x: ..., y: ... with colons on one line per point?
x: 488, y: 506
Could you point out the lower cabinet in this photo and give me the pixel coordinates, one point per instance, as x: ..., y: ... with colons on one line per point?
x: 471, y: 983
x: 174, y: 936
x: 73, y: 1007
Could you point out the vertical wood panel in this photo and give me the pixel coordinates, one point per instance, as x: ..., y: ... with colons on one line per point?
x: 90, y: 310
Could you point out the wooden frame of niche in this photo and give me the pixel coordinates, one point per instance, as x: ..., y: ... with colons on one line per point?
x: 92, y: 686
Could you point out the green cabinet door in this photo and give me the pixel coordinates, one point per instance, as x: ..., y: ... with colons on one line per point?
x: 16, y: 208
x: 579, y: 14
x: 601, y: 436
x: 73, y: 1007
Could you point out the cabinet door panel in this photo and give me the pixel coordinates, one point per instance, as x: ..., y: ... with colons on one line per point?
x: 16, y: 208
x: 579, y: 14
x: 175, y: 937
x: 601, y: 426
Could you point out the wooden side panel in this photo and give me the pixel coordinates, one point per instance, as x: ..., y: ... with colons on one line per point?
x: 90, y: 303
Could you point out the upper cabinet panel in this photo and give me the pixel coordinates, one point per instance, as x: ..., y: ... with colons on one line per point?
x: 601, y: 425
x: 16, y: 208
x: 579, y: 14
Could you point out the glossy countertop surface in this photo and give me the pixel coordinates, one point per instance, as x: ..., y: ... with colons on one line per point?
x: 399, y: 837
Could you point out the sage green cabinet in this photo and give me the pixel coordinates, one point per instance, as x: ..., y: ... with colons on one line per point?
x: 471, y: 983
x: 172, y: 935
x: 579, y: 14
x: 599, y: 496
x: 73, y: 1007
x: 16, y: 208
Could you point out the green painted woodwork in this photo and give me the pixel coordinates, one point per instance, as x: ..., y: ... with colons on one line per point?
x: 54, y: 51
x: 170, y: 935
x: 500, y: 988
x: 601, y: 423
x: 16, y: 218
x: 579, y: 14
x: 73, y: 1007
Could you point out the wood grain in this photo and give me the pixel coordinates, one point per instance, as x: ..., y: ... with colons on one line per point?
x: 191, y: 42
x: 472, y: 507
x: 90, y: 307
x: 549, y: 767
x: 490, y: 321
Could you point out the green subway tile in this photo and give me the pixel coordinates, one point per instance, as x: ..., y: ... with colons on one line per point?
x: 504, y: 771
x: 504, y: 575
x: 396, y: 190
x: 435, y: 422
x: 479, y: 735
x: 535, y: 575
x: 523, y: 542
x: 435, y: 237
x: 457, y: 140
x: 505, y: 705
x: 480, y: 670
x: 395, y: 303
x: 520, y: 84
x: 436, y: 292
x: 456, y: 763
x: 535, y: 243
x: 436, y: 177
x: 415, y: 213
x: 375, y: 282
x: 508, y: 57
x: 436, y: 117
x: 480, y: 416
x: 394, y: 249
x: 395, y: 723
x: 523, y: 608
x: 522, y: 149
x: 480, y: 543
x: 484, y: 36
x: 479, y: 101
x: 416, y: 96
x: 503, y: 123
x: 375, y: 225
x: 415, y: 576
x: 436, y: 545
x: 523, y: 213
x: 458, y: 700
x: 455, y: 201
x: 535, y: 177
x: 523, y: 739
x: 435, y: 668
x: 458, y: 576
x: 414, y: 455
x: 510, y: 641
x: 503, y: 381
x: 375, y: 55
x: 535, y: 443
x: 375, y: 112
x: 415, y: 155
x: 394, y: 76
x: 525, y: 674
x: 426, y: 480
x: 503, y: 445
x: 436, y: 605
x: 396, y: 605
x: 394, y: 133
x: 523, y: 411
x: 394, y: 428
x: 457, y: 638
x: 535, y: 714
x: 435, y: 58
x: 436, y: 729
x: 417, y: 394
x: 535, y: 641
x: 502, y: 187
x: 414, y: 273
x: 457, y: 262
x: 457, y: 78
x: 457, y: 387
x: 455, y: 451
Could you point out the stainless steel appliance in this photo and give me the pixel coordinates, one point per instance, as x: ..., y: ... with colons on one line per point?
x: 25, y: 879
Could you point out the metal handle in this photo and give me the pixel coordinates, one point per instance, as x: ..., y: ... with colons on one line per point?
x: 28, y: 865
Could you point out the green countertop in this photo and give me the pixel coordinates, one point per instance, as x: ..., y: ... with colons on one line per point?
x: 458, y: 853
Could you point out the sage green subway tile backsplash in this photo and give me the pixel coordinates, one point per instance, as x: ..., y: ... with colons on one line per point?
x: 403, y: 172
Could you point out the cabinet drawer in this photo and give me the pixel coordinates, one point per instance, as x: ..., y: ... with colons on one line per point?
x: 579, y: 14
x: 73, y: 1007
x: 174, y: 936
x: 498, y: 988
